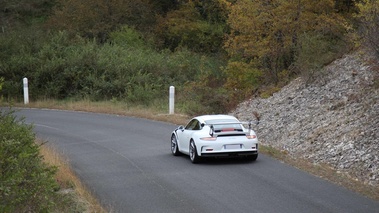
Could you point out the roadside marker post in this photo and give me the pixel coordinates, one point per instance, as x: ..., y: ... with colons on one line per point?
x: 26, y: 91
x: 171, y: 99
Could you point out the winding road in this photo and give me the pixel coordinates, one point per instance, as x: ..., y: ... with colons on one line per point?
x: 126, y: 162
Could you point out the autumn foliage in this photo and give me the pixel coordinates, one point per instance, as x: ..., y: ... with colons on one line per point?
x: 369, y: 17
x: 98, y: 18
x: 132, y: 50
x: 273, y: 32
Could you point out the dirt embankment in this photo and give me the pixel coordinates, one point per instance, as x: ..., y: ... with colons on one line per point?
x: 334, y: 120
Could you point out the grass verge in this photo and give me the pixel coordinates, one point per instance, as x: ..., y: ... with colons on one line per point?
x: 157, y: 111
x: 69, y: 183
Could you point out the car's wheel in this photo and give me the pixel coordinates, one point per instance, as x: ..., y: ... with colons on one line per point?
x: 252, y: 157
x: 195, y: 158
x: 174, y: 145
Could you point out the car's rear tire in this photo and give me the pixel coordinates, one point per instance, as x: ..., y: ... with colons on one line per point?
x: 174, y: 145
x: 252, y: 157
x: 195, y: 158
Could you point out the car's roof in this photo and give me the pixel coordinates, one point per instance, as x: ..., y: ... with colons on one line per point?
x: 205, y: 118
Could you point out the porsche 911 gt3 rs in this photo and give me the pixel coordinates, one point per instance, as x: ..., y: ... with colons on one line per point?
x: 215, y: 136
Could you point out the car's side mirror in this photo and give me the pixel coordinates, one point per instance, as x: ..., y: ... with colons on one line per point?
x: 181, y: 127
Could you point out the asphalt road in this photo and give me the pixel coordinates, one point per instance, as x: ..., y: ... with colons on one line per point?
x: 127, y: 164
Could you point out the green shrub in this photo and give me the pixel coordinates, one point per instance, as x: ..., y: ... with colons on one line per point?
x: 26, y: 183
x: 127, y: 37
x: 205, y: 95
x: 190, y: 98
x: 242, y: 79
x: 269, y: 91
x: 125, y: 69
x: 369, y: 23
x: 1, y: 87
x: 314, y: 52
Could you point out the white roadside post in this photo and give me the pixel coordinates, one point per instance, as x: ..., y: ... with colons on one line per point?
x: 171, y: 99
x: 26, y: 91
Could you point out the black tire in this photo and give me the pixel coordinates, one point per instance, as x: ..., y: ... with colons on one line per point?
x: 195, y: 158
x: 252, y: 157
x: 174, y: 146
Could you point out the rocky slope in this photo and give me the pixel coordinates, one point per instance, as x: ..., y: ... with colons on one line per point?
x: 334, y: 120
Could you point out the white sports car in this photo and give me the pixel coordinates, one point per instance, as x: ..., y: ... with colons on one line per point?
x: 215, y: 136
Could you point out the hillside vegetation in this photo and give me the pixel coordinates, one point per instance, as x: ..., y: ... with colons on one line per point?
x: 216, y: 52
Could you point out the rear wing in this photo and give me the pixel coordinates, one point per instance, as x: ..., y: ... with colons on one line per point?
x: 214, y: 131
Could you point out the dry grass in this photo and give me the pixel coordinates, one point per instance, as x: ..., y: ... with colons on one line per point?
x: 68, y: 181
x: 110, y: 107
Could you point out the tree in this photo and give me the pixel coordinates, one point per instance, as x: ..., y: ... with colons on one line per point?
x: 14, y: 13
x: 197, y: 25
x: 1, y: 87
x: 346, y: 6
x: 369, y: 19
x: 269, y: 31
x: 242, y: 79
x: 164, y: 6
x: 97, y: 18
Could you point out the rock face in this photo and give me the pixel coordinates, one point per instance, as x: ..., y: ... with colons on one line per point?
x: 334, y: 120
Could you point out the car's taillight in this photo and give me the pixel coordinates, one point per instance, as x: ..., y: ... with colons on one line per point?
x: 251, y: 136
x: 208, y: 138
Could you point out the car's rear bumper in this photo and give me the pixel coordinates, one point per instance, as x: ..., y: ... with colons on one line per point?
x: 229, y: 154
